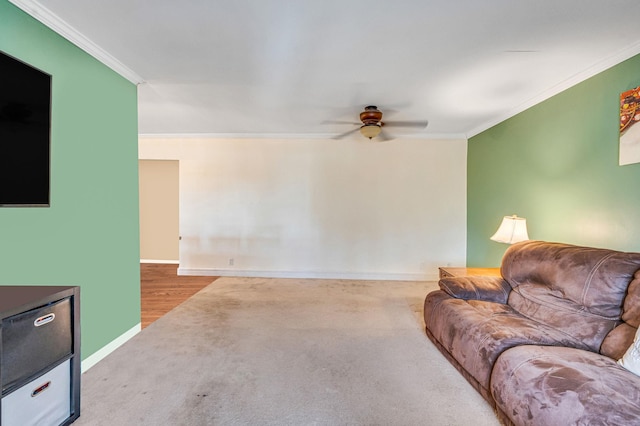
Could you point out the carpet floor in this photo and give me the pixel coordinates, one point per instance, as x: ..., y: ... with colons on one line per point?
x: 253, y: 351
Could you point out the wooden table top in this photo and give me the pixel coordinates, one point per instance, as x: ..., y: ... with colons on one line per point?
x: 453, y: 271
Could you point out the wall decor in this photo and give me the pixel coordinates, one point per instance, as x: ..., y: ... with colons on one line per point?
x: 629, y: 129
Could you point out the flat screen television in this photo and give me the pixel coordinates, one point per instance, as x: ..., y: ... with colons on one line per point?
x: 25, y: 133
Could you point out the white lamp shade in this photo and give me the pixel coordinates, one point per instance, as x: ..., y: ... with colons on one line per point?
x: 513, y: 229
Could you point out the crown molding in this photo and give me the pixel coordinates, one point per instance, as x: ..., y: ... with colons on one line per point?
x: 437, y: 136
x: 598, y: 67
x: 236, y: 135
x: 51, y: 20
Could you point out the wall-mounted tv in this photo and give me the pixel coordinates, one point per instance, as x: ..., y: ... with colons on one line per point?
x: 25, y: 129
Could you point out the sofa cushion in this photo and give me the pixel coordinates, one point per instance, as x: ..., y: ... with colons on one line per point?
x: 575, y: 290
x: 476, y: 332
x: 621, y: 337
x: 563, y: 386
x: 618, y: 341
x: 631, y: 308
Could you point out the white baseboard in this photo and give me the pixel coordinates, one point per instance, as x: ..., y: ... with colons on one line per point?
x: 308, y: 274
x: 100, y: 354
x: 168, y: 262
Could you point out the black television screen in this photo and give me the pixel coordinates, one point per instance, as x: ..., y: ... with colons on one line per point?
x: 25, y: 123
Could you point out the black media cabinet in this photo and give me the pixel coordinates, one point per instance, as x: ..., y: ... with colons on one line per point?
x: 39, y: 355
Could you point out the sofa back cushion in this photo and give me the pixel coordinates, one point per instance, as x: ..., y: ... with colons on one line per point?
x: 577, y: 290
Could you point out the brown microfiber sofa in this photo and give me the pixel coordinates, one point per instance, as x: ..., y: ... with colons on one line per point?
x: 541, y: 343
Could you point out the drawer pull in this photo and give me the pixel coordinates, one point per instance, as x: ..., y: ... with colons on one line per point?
x: 45, y: 319
x: 40, y: 389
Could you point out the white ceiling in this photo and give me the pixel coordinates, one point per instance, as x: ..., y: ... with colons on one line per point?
x: 284, y: 67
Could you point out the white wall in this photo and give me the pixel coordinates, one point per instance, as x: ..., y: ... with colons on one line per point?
x: 318, y: 207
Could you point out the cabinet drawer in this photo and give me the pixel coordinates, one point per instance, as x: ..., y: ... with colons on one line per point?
x: 34, y: 340
x: 43, y: 401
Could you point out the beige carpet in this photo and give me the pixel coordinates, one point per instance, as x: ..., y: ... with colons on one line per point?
x: 251, y: 351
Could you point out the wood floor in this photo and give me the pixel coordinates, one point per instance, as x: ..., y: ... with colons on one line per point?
x: 161, y: 289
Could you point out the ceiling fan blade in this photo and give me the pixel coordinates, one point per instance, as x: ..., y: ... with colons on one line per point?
x: 417, y: 124
x: 344, y: 135
x: 384, y: 137
x: 352, y: 123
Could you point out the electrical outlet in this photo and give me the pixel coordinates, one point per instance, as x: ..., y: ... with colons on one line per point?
x: 231, y: 260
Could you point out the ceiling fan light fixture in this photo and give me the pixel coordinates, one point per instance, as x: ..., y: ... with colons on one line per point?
x: 370, y: 130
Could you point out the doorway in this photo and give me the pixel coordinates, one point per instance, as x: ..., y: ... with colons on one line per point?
x: 159, y: 211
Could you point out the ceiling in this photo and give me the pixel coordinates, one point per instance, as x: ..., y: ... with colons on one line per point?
x: 263, y: 68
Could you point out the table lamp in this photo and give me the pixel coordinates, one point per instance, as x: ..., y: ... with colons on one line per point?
x: 513, y: 229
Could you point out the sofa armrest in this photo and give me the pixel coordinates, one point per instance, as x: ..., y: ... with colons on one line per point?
x: 490, y: 289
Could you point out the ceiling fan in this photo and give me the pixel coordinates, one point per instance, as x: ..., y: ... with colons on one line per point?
x: 371, y: 124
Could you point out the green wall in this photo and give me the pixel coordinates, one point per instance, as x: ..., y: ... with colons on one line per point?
x: 89, y: 235
x: 556, y: 164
